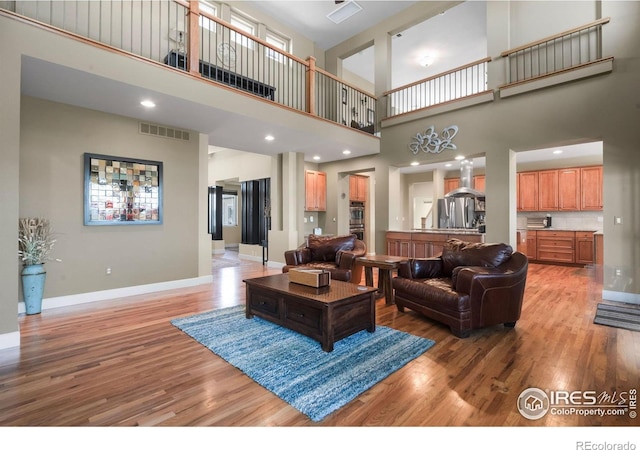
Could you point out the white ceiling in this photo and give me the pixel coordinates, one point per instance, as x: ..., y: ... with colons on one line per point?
x: 309, y: 17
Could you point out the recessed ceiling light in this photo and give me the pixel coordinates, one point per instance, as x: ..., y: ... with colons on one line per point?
x: 557, y: 152
x: 426, y: 61
x: 459, y: 157
x: 148, y: 104
x: 268, y: 137
x: 415, y: 163
x: 316, y: 157
x: 346, y: 152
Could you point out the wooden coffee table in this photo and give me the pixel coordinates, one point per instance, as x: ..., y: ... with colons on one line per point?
x: 325, y: 314
x: 386, y: 264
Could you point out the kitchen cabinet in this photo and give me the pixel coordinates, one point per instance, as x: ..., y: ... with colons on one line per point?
x: 548, y: 190
x: 591, y: 192
x: 358, y: 188
x: 528, y: 191
x: 532, y: 244
x: 555, y: 246
x: 479, y: 183
x: 450, y: 184
x: 584, y: 247
x: 423, y: 245
x: 569, y: 189
x: 315, y: 190
x: 398, y: 244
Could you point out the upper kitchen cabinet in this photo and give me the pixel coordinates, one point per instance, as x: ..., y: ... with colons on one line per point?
x: 548, y: 190
x: 358, y: 188
x: 315, y: 190
x: 569, y: 189
x: 450, y: 184
x: 479, y: 183
x: 528, y: 191
x: 591, y: 180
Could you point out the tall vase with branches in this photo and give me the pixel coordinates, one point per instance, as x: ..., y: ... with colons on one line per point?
x: 35, y: 243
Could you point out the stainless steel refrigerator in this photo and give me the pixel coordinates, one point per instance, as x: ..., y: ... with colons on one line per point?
x: 456, y: 212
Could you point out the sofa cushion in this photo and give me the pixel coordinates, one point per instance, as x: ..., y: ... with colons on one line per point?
x: 325, y: 248
x: 459, y: 253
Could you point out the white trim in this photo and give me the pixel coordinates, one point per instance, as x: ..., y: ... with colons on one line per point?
x: 88, y: 297
x: 9, y: 340
x: 622, y: 297
x: 275, y: 264
x: 250, y: 257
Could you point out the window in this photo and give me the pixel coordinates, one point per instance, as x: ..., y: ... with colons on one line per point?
x: 205, y: 22
x: 229, y: 209
x: 277, y: 41
x: 246, y: 26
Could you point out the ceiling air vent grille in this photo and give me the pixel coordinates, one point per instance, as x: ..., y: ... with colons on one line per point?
x: 163, y: 131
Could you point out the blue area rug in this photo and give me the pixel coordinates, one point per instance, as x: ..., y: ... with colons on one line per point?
x: 294, y: 367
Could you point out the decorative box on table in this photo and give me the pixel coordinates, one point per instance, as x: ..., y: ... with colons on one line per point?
x: 310, y: 277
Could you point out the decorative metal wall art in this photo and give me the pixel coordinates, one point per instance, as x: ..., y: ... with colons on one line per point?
x: 430, y: 142
x: 122, y: 191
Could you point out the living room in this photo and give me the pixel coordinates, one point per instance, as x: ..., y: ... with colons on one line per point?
x: 49, y: 183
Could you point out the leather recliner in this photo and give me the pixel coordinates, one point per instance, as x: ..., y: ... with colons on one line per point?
x: 470, y: 286
x: 337, y: 254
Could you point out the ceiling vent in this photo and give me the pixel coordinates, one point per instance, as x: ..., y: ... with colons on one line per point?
x: 162, y: 131
x: 343, y: 12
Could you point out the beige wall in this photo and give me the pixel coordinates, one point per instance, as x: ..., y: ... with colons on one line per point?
x: 54, y: 138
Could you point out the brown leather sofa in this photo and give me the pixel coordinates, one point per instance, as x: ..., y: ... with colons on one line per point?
x: 336, y: 254
x: 470, y: 286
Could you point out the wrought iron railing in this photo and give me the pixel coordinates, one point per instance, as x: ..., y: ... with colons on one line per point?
x: 178, y: 34
x: 571, y: 49
x: 464, y: 81
x: 340, y: 102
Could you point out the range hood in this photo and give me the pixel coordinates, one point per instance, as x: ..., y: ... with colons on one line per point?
x: 466, y: 178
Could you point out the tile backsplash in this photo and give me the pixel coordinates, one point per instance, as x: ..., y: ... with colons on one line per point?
x: 567, y: 220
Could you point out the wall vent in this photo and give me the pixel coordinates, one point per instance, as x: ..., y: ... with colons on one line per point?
x: 163, y: 131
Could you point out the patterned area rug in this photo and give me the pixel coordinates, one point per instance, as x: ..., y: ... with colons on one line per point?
x: 294, y: 367
x: 627, y: 317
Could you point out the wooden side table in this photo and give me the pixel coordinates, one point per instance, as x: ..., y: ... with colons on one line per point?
x: 385, y: 264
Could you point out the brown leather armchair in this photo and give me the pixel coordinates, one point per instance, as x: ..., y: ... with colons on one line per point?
x: 470, y: 286
x: 336, y: 254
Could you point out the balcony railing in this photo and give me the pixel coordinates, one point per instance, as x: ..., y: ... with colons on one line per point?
x: 571, y: 49
x: 455, y: 84
x: 178, y: 34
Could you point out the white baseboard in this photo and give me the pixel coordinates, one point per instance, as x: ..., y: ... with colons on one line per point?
x: 623, y: 297
x: 77, y: 299
x: 250, y: 257
x: 275, y: 264
x: 9, y: 340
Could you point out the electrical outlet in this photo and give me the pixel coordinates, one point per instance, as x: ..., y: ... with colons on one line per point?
x: 617, y: 220
x: 311, y: 219
x: 108, y: 270
x: 618, y: 272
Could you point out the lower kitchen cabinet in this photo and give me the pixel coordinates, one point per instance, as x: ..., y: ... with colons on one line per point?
x: 585, y: 247
x: 423, y: 245
x: 564, y: 246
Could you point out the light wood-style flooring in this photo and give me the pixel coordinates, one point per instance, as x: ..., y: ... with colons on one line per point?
x: 122, y: 363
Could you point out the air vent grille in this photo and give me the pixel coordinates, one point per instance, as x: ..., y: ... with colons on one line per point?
x: 164, y: 131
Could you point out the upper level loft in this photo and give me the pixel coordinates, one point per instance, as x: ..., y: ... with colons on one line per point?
x: 180, y: 36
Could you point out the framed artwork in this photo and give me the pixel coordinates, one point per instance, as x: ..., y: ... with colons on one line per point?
x: 122, y: 191
x: 344, y: 95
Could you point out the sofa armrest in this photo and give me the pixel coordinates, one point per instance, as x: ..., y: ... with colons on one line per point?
x: 420, y: 268
x: 297, y: 256
x: 471, y: 279
x: 345, y: 259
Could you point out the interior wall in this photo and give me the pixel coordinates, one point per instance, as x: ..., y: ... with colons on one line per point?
x: 54, y: 138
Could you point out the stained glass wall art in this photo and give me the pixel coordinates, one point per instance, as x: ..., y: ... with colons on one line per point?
x: 122, y: 191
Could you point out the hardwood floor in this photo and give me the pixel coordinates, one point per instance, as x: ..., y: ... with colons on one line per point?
x: 122, y: 363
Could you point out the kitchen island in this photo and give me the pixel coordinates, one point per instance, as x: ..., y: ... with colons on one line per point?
x: 427, y: 242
